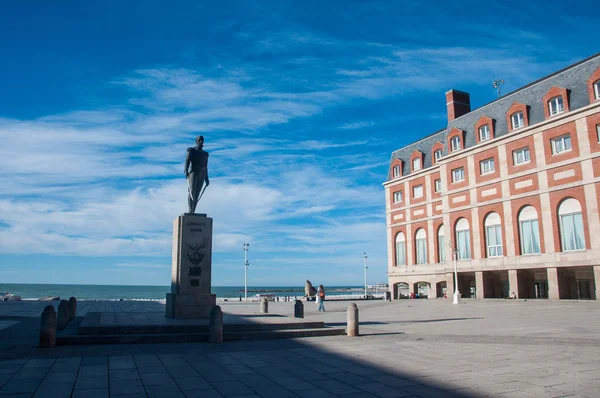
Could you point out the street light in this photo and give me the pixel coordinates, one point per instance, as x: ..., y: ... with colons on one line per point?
x: 456, y: 296
x: 365, y: 254
x: 246, y: 263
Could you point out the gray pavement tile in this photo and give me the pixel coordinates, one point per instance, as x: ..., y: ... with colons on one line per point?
x: 254, y: 379
x: 274, y: 391
x: 4, y: 378
x: 293, y: 383
x: 54, y: 391
x: 17, y: 386
x: 66, y: 365
x: 272, y: 372
x: 315, y: 393
x: 126, y: 387
x: 230, y: 388
x: 363, y: 394
x: 155, y: 379
x: 392, y: 381
x: 335, y: 386
x: 123, y: 374
x: 39, y: 363
x: 129, y: 395
x: 192, y: 383
x: 212, y: 393
x: 91, y: 382
x: 348, y: 378
x: 150, y: 367
x: 216, y: 376
x: 120, y: 362
x: 94, y: 361
x: 164, y: 391
x: 31, y: 373
x: 93, y: 371
x: 60, y: 378
x: 310, y: 375
x: 12, y: 363
x: 141, y: 358
x: 97, y: 393
x: 173, y: 361
x: 182, y: 371
x: 360, y: 370
x: 431, y: 392
x: 383, y: 391
x: 24, y: 395
x: 237, y: 369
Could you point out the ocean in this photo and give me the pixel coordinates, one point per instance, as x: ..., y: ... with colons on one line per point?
x: 142, y: 293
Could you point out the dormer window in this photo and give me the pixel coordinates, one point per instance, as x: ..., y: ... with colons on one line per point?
x: 396, y: 171
x: 484, y: 132
x: 455, y: 143
x: 517, y: 120
x: 556, y: 106
x: 597, y: 89
x: 416, y: 163
x: 437, y: 155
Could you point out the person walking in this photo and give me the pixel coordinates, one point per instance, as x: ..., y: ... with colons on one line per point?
x: 321, y: 298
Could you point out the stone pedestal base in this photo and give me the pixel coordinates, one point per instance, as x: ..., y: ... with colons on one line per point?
x: 190, y: 305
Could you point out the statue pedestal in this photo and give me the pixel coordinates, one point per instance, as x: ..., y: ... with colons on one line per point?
x: 190, y: 295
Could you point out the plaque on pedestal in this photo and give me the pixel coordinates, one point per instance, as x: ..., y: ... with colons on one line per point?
x: 190, y: 295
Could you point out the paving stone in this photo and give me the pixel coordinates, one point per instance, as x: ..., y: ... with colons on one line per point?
x: 348, y: 378
x: 121, y: 362
x: 315, y: 393
x: 335, y: 386
x: 60, y: 378
x: 391, y: 381
x: 272, y: 372
x: 31, y: 373
x: 91, y: 382
x: 229, y: 388
x: 126, y: 387
x: 97, y: 393
x: 293, y: 383
x: 186, y: 371
x: 151, y: 368
x: 17, y: 386
x: 192, y: 383
x: 383, y: 391
x: 54, y: 391
x: 212, y: 393
x: 164, y: 391
x: 217, y: 376
x: 94, y: 361
x: 123, y: 374
x: 93, y: 371
x: 39, y: 363
x: 155, y: 379
x: 254, y: 379
x: 66, y: 365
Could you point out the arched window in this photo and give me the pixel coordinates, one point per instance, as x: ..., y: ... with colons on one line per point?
x: 441, y: 244
x: 529, y: 230
x: 493, y: 235
x: 463, y: 239
x: 571, y: 225
x: 400, y: 249
x: 421, y: 246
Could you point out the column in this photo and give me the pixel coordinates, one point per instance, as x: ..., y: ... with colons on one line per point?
x: 553, y: 292
x: 513, y: 282
x: 597, y: 280
x: 591, y: 205
x: 546, y: 223
x: 432, y: 292
x: 508, y: 229
x: 480, y: 289
x: 475, y: 234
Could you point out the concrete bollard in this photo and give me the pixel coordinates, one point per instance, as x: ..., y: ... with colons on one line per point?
x: 48, y: 327
x: 72, y: 308
x: 299, y: 309
x: 264, y: 306
x: 216, y: 325
x: 63, y: 315
x: 352, y: 320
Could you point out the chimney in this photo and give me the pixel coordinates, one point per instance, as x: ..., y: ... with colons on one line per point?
x: 458, y: 103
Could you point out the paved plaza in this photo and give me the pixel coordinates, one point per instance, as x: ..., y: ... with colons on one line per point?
x: 410, y: 348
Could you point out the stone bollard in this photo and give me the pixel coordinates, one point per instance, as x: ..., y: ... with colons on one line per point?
x: 216, y: 325
x: 63, y: 315
x: 72, y: 308
x: 48, y: 327
x: 264, y: 306
x: 299, y: 309
x: 352, y: 320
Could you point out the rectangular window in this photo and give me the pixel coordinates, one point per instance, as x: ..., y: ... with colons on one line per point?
x: 561, y: 144
x: 530, y: 237
x: 463, y: 239
x: 396, y: 171
x: 598, y: 132
x: 487, y: 166
x: 418, y: 191
x: 597, y: 90
x: 438, y: 185
x: 458, y: 174
x: 421, y: 247
x: 400, y: 253
x: 416, y: 164
x: 494, y: 240
x: 398, y: 197
x: 571, y: 228
x: 484, y: 133
x: 455, y: 143
x: 521, y: 156
x: 441, y: 249
x: 517, y: 120
x: 437, y: 155
x: 556, y: 106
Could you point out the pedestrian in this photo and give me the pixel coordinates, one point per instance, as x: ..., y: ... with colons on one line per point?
x: 321, y: 298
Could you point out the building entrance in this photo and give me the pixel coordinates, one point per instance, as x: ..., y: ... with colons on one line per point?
x: 541, y: 289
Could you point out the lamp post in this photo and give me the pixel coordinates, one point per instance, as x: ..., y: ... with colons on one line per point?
x: 456, y: 295
x: 365, y: 254
x: 246, y: 246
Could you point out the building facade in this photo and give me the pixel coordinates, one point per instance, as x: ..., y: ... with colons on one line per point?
x: 508, y: 192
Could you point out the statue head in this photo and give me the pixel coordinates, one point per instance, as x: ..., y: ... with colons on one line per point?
x: 200, y: 141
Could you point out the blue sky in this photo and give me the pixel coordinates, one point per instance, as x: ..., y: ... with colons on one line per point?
x: 301, y: 104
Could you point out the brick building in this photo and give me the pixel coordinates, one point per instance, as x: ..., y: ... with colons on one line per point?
x: 511, y: 190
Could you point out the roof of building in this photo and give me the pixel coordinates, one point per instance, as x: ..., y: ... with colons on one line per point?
x: 573, y: 78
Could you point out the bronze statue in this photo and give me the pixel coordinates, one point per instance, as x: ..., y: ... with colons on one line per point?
x: 196, y: 173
